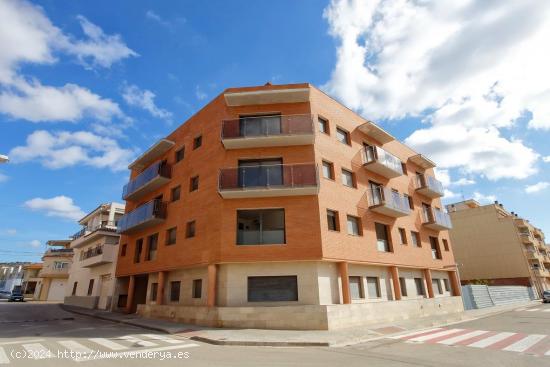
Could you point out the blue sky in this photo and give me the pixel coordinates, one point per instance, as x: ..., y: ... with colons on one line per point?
x: 84, y: 89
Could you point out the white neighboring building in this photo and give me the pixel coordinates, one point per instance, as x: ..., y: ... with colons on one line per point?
x: 55, y: 271
x: 11, y: 276
x: 92, y: 276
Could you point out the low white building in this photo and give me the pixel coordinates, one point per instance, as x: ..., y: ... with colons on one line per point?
x: 55, y: 271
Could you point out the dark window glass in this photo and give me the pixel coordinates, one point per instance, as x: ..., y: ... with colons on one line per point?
x: 190, y: 229
x: 75, y: 284
x: 356, y: 287
x: 197, y: 142
x: 445, y: 244
x: 436, y: 285
x: 180, y: 154
x: 257, y: 227
x: 373, y: 287
x: 348, y: 178
x: 152, y: 242
x: 403, y: 236
x: 90, y: 287
x: 175, y: 193
x: 260, y: 125
x: 194, y: 183
x: 175, y: 291
x: 342, y: 136
x: 123, y: 250
x: 171, y: 236
x: 197, y: 288
x: 419, y: 283
x: 403, y: 285
x: 272, y: 288
x: 139, y: 249
x: 354, y: 226
x: 382, y: 238
x: 328, y: 170
x: 332, y: 220
x: 260, y: 172
x: 154, y: 289
x: 323, y: 125
x: 434, y: 244
x: 415, y: 237
x: 447, y: 285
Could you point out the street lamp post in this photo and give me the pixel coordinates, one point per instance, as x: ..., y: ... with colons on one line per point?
x: 4, y: 158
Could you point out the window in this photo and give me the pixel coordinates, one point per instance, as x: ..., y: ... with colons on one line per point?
x: 273, y: 288
x: 175, y: 291
x: 171, y: 236
x: 175, y: 193
x: 342, y: 136
x: 332, y: 220
x: 436, y: 252
x: 260, y: 172
x: 123, y: 250
x: 197, y: 288
x: 139, y: 249
x: 180, y: 154
x: 90, y: 287
x: 190, y: 229
x: 354, y: 226
x: 445, y: 244
x: 197, y: 142
x: 419, y: 283
x: 75, y: 284
x: 403, y: 285
x: 154, y: 289
x: 446, y: 285
x: 348, y: 178
x: 194, y: 183
x: 356, y: 287
x: 60, y: 265
x: 323, y: 125
x: 404, y: 168
x: 409, y: 200
x: 152, y: 242
x: 328, y: 170
x: 436, y: 284
x: 403, y: 236
x: 260, y: 227
x: 382, y: 238
x: 415, y: 236
x: 373, y: 287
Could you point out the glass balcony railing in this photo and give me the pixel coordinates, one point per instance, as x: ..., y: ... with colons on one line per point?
x: 147, y: 214
x: 435, y: 218
x: 381, y: 161
x: 264, y: 126
x: 156, y: 170
x: 388, y: 202
x: 429, y: 186
x: 105, y: 226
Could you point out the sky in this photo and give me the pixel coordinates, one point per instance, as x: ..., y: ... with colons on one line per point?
x: 85, y: 87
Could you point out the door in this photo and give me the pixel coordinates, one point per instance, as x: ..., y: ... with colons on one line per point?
x: 104, y: 292
x: 140, y: 292
x: 57, y: 290
x: 260, y: 173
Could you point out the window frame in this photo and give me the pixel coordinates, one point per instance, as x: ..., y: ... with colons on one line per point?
x: 323, y: 121
x: 388, y: 237
x: 194, y: 183
x: 330, y: 166
x: 358, y: 223
x: 403, y: 236
x: 437, y: 255
x: 191, y: 229
x: 420, y: 287
x: 196, y: 292
x: 154, y: 292
x: 336, y: 220
x: 378, y: 290
x: 361, y: 290
x: 173, y: 190
x: 150, y: 251
x: 90, y: 287
x: 415, y: 235
x: 123, y: 249
x: 351, y: 174
x: 260, y: 215
x: 172, y: 293
x: 445, y: 244
x: 295, y: 289
x: 177, y: 153
x: 167, y: 241
x: 138, y: 250
x: 346, y: 133
x: 403, y: 286
x: 197, y: 142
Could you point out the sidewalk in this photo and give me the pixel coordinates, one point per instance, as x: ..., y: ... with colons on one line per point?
x: 295, y: 338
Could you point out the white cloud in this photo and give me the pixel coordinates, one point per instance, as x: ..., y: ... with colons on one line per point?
x: 9, y: 231
x: 484, y: 198
x: 35, y: 243
x: 3, y: 177
x: 468, y: 69
x: 539, y: 186
x: 450, y: 194
x: 151, y: 15
x: 63, y: 149
x: 463, y: 181
x: 58, y: 206
x: 144, y: 99
x: 200, y: 94
x: 546, y: 159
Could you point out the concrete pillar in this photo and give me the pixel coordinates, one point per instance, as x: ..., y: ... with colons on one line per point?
x: 455, y: 285
x: 395, y: 280
x: 429, y: 285
x: 344, y: 275
x: 131, y: 289
x: 212, y: 285
x: 160, y: 290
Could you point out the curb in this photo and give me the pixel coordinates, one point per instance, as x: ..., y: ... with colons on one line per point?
x: 258, y: 344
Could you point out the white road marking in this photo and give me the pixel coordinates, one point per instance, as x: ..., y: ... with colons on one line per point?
x: 141, y: 343
x: 434, y: 335
x: 3, y: 356
x: 150, y: 350
x: 108, y: 343
x: 547, y: 310
x: 37, y: 351
x: 484, y: 343
x: 164, y: 338
x: 414, y: 333
x: 462, y: 337
x: 532, y: 309
x: 525, y: 343
x: 22, y: 341
x: 75, y: 346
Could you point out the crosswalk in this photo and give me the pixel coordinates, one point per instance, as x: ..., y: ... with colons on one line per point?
x: 88, y: 349
x: 535, y: 344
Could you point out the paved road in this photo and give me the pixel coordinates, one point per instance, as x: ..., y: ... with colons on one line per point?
x: 516, y: 338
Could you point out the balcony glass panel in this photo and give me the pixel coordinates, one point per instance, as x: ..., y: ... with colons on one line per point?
x: 150, y: 173
x: 373, y: 153
x: 436, y: 216
x: 277, y: 175
x: 429, y: 182
x: 154, y: 209
x: 257, y: 126
x: 380, y: 195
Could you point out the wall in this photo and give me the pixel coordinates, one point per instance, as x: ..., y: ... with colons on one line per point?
x: 482, y: 296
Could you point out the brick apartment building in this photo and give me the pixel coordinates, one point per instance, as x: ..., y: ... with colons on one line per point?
x: 278, y: 195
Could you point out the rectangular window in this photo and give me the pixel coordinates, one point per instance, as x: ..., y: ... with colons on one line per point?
x: 190, y: 229
x: 174, y: 291
x: 354, y: 226
x: 403, y: 285
x: 152, y: 242
x: 90, y: 287
x: 180, y: 154
x: 175, y: 193
x: 333, y: 220
x: 403, y: 236
x: 415, y: 237
x: 382, y: 237
x: 343, y: 136
x: 260, y: 227
x: 323, y: 125
x: 171, y: 236
x: 446, y: 285
x: 328, y: 170
x: 197, y: 288
x: 404, y: 168
x: 436, y: 251
x: 123, y: 250
x: 154, y: 289
x: 356, y: 287
x: 260, y: 172
x: 419, y: 283
x: 348, y: 178
x: 197, y: 142
x: 194, y: 183
x: 445, y: 244
x: 139, y: 249
x: 436, y: 284
x: 373, y: 287
x: 409, y: 200
x: 273, y: 288
x: 75, y: 284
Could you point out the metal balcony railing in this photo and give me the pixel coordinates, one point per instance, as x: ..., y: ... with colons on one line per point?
x: 262, y: 126
x: 105, y: 226
x: 383, y: 196
x: 268, y: 176
x: 436, y: 217
x: 158, y: 169
x: 91, y: 252
x: 153, y: 210
x: 430, y: 183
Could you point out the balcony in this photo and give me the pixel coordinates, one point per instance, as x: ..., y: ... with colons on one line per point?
x: 436, y: 219
x: 62, y: 252
x: 98, y: 255
x: 269, y: 96
x: 268, y: 181
x: 146, y: 215
x: 377, y: 160
x: 526, y: 238
x: 429, y: 186
x: 88, y: 234
x: 533, y: 255
x: 152, y: 154
x: 267, y: 131
x: 541, y: 272
x: 388, y: 202
x: 153, y: 177
x: 51, y: 272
